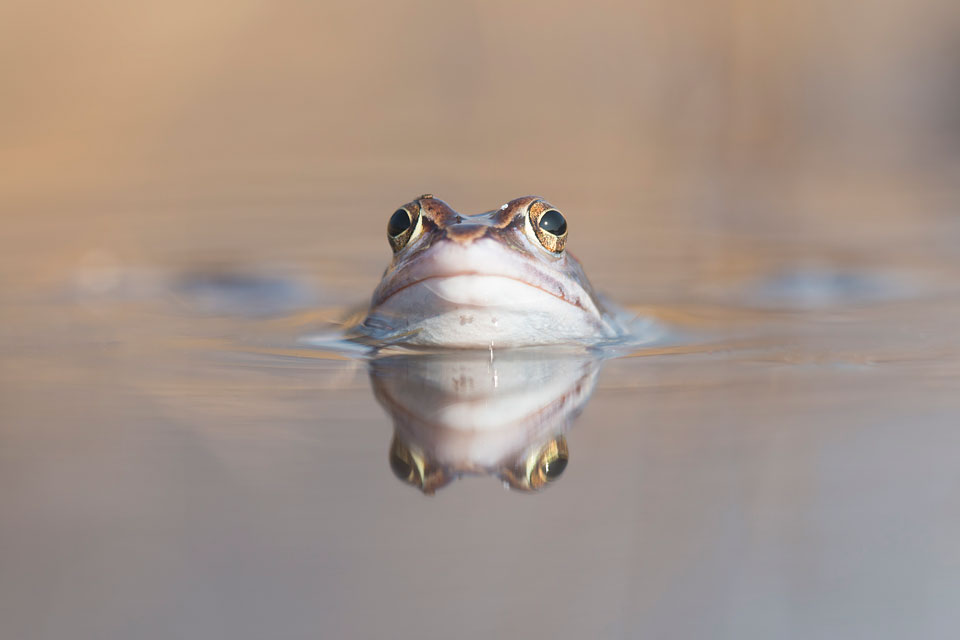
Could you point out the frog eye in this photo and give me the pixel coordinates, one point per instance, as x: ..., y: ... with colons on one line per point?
x: 412, y: 468
x: 549, y: 226
x: 542, y: 466
x: 550, y: 463
x: 553, y: 222
x: 399, y: 222
x: 402, y: 226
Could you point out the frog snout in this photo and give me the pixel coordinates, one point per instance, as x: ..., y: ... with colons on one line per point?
x: 465, y: 232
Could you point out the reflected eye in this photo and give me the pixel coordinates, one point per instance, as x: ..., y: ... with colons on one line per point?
x: 410, y: 467
x: 548, y: 225
x: 552, y: 468
x: 540, y: 466
x: 404, y: 464
x: 550, y: 463
x: 402, y: 226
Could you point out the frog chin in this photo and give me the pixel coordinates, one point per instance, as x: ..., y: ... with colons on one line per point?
x: 480, y: 311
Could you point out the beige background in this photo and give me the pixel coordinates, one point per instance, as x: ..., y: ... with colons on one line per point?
x: 171, y: 473
x: 289, y: 130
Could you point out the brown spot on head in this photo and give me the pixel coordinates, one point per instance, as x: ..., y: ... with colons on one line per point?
x: 438, y: 212
x: 502, y: 217
x: 466, y: 233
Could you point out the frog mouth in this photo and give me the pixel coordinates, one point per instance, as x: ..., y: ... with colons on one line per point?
x: 464, y: 288
x: 484, y: 274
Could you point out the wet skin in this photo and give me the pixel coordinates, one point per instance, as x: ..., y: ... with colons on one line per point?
x: 497, y: 279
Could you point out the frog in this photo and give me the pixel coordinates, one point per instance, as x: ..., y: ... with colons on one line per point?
x: 499, y: 279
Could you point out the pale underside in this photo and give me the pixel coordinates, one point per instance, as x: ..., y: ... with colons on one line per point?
x: 486, y: 294
x: 478, y: 311
x: 475, y: 414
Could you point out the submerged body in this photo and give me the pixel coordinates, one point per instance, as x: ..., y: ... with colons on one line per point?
x: 496, y: 279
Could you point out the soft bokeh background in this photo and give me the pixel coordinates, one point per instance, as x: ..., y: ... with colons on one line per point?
x: 158, y: 479
x: 145, y: 129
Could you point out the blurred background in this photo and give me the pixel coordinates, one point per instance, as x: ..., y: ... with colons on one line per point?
x: 289, y: 130
x: 178, y: 180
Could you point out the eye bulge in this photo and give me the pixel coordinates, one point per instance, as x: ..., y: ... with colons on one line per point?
x: 549, y: 226
x: 402, y: 226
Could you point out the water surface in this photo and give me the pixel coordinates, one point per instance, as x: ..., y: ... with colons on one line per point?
x: 177, y: 463
x: 188, y: 191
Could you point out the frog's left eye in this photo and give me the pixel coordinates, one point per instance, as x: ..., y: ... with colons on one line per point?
x: 402, y: 226
x: 549, y: 226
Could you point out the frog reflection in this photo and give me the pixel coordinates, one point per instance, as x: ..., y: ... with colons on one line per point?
x: 480, y: 414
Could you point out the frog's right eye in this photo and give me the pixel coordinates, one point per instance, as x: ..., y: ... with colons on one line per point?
x: 399, y: 222
x: 402, y: 226
x: 547, y: 226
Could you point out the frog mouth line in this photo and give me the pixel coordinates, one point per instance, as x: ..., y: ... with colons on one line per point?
x: 446, y: 276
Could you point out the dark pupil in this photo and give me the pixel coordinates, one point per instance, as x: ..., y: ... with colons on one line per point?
x: 399, y: 222
x: 554, y: 468
x: 400, y: 467
x: 552, y: 222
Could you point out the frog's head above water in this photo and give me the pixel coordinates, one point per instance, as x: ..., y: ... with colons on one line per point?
x: 497, y: 279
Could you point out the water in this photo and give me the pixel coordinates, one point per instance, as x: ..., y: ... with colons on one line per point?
x: 178, y: 463
x: 191, y: 194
